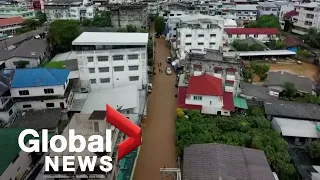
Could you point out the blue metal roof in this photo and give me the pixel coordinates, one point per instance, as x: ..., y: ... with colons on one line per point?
x: 35, y: 77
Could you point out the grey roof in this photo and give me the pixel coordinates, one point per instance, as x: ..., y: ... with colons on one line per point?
x: 256, y: 91
x: 69, y: 59
x: 38, y: 119
x: 246, y: 7
x: 220, y: 161
x: 291, y: 109
x: 279, y: 78
x: 281, y: 3
x: 33, y: 48
x: 267, y: 4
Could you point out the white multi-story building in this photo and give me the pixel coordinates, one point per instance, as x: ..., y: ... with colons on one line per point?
x: 261, y: 34
x: 108, y: 60
x: 175, y: 9
x: 66, y: 10
x: 247, y: 12
x: 267, y: 8
x: 198, y: 32
x: 308, y: 16
x: 41, y: 88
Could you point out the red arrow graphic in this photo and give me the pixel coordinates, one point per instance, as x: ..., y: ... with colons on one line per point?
x: 129, y: 128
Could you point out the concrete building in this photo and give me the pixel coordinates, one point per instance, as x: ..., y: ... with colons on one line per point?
x: 198, y: 32
x: 260, y: 34
x: 13, y: 10
x: 9, y: 25
x: 108, y: 60
x: 74, y: 10
x: 226, y: 10
x: 267, y: 8
x: 247, y: 12
x: 87, y: 125
x: 41, y: 88
x: 7, y: 109
x: 175, y: 9
x: 130, y: 14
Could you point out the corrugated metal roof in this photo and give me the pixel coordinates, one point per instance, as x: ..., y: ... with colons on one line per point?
x: 240, y: 102
x: 259, y: 53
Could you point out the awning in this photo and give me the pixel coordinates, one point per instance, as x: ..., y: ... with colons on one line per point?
x: 240, y: 103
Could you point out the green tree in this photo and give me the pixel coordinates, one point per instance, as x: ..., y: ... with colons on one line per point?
x: 41, y: 17
x: 259, y: 69
x: 256, y: 111
x: 159, y: 25
x: 247, y: 74
x: 31, y: 24
x: 61, y: 34
x: 309, y: 98
x: 242, y: 46
x: 314, y: 149
x: 289, y: 90
x: 86, y: 22
x: 265, y: 21
x: 131, y: 28
x: 312, y: 37
x: 102, y: 19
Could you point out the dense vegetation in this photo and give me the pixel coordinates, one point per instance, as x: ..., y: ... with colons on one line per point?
x: 265, y: 21
x: 102, y: 19
x: 159, y: 25
x: 242, y: 46
x: 248, y: 131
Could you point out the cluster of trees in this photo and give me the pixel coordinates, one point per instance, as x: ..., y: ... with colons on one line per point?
x: 314, y: 149
x: 102, y: 19
x: 159, y: 25
x: 132, y: 28
x: 248, y: 131
x: 265, y: 21
x: 255, y: 68
x: 32, y: 24
x: 242, y: 46
x: 304, y: 53
x: 290, y: 92
x: 276, y: 44
x: 312, y: 37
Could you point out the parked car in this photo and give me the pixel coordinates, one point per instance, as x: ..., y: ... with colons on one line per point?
x: 168, y: 71
x: 149, y: 88
x: 168, y: 59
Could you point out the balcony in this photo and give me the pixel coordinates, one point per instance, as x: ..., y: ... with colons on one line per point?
x: 230, y: 77
x: 229, y: 89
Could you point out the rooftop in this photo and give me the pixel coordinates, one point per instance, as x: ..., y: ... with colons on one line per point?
x: 198, y: 17
x: 268, y: 31
x: 35, y: 77
x: 69, y: 60
x: 290, y: 41
x: 256, y: 91
x: 38, y: 119
x: 220, y: 161
x: 296, y: 128
x: 267, y: 4
x: 228, y: 102
x: 290, y: 14
x: 302, y: 83
x: 291, y: 109
x: 246, y: 7
x: 309, y: 5
x: 205, y: 85
x: 11, y: 21
x: 259, y: 53
x: 230, y: 23
x: 111, y: 38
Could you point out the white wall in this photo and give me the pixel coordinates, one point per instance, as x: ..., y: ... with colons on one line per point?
x: 261, y: 37
x: 247, y: 15
x: 39, y: 105
x: 33, y: 62
x: 304, y: 22
x: 38, y: 91
x: 72, y: 13
x: 5, y: 114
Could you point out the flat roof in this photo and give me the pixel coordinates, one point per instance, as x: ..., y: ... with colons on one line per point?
x: 259, y: 53
x: 246, y: 7
x: 70, y: 55
x: 111, y: 38
x: 297, y: 128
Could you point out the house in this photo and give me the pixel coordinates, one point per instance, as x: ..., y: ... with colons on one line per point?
x: 260, y: 34
x: 135, y: 14
x: 198, y: 32
x: 291, y: 43
x: 267, y: 8
x: 175, y: 9
x: 226, y: 162
x: 297, y: 131
x: 7, y: 109
x: 291, y: 109
x: 225, y: 10
x: 9, y: 25
x: 276, y: 80
x: 246, y: 12
x: 29, y: 54
x: 114, y: 59
x: 41, y: 88
x: 205, y: 93
x: 22, y: 9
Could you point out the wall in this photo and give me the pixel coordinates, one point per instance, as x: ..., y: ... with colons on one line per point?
x: 132, y: 16
x: 247, y: 15
x: 5, y: 114
x: 38, y: 105
x: 210, y: 104
x: 33, y: 62
x: 299, y: 21
x: 18, y: 168
x: 38, y: 91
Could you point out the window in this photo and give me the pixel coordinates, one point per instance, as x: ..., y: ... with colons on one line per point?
x: 104, y: 69
x: 201, y: 35
x: 117, y: 58
x: 103, y: 58
x: 133, y: 56
x: 10, y: 112
x: 171, y: 14
x: 247, y: 36
x: 93, y: 81
x: 230, y: 36
x: 246, y: 12
x: 188, y: 44
x: 212, y: 35
x: 254, y: 12
x: 133, y: 68
x: 118, y: 68
x: 229, y: 83
x: 91, y: 70
x: 238, y: 36
x: 50, y: 104
x: 134, y: 78
x: 178, y: 14
x: 256, y: 35
x: 96, y: 127
x: 48, y: 91
x: 212, y: 43
x: 197, y: 98
x: 90, y: 59
x: 175, y: 29
x: 104, y: 80
x: 26, y: 106
x: 200, y: 44
x: 24, y: 92
x: 188, y: 35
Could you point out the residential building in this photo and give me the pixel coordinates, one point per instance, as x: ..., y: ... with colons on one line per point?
x: 175, y: 9
x: 247, y: 12
x: 75, y: 10
x: 242, y: 162
x: 7, y: 109
x: 108, y: 60
x: 9, y: 25
x: 41, y: 88
x: 205, y: 93
x: 297, y: 131
x: 268, y: 8
x: 130, y: 14
x: 153, y: 7
x: 29, y: 54
x: 260, y: 34
x: 230, y: 23
x: 198, y: 32
x: 86, y: 125
x: 13, y: 10
x: 226, y: 10
x: 291, y: 109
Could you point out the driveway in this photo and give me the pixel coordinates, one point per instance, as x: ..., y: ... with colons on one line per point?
x: 158, y: 130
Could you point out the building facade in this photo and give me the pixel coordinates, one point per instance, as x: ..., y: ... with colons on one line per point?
x: 14, y: 10
x: 267, y: 8
x: 9, y: 25
x: 108, y: 60
x: 247, y: 12
x: 260, y: 34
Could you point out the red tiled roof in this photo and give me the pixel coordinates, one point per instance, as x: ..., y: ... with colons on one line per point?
x: 205, y: 85
x: 13, y: 20
x: 228, y: 101
x: 182, y: 94
x: 290, y: 14
x: 247, y: 31
x: 290, y: 41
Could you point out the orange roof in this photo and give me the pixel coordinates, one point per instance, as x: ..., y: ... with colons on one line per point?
x: 9, y: 21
